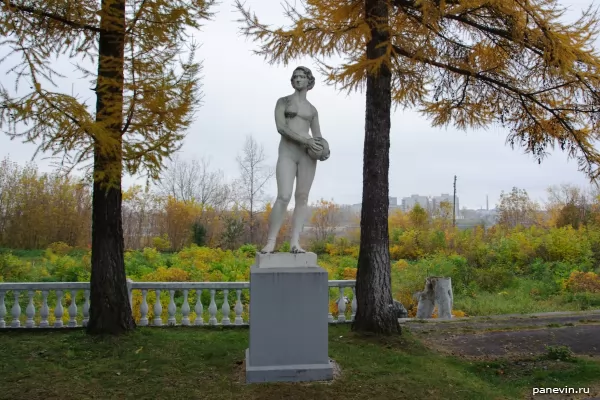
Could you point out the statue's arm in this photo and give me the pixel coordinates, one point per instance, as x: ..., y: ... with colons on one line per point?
x: 315, y: 128
x: 282, y: 126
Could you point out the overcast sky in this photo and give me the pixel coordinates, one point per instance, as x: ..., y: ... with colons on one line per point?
x: 240, y: 91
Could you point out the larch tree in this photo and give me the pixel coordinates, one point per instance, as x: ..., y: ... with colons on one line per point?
x: 146, y: 95
x: 470, y: 63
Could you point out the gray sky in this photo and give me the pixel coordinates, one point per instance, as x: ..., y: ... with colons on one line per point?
x: 240, y: 91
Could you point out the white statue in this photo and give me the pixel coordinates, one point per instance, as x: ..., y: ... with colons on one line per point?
x: 298, y: 155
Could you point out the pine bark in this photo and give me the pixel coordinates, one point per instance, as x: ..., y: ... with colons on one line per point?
x: 110, y: 311
x: 375, y: 313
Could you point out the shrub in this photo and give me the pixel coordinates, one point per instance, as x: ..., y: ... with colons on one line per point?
x: 59, y: 248
x: 13, y: 269
x: 579, y: 282
x: 161, y: 243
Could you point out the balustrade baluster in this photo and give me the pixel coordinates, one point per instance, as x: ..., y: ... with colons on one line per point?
x: 16, y: 310
x: 185, y: 309
x: 157, y: 309
x: 86, y: 308
x: 30, y: 311
x: 2, y: 310
x: 212, y: 309
x: 199, y: 308
x: 239, y: 308
x: 144, y: 309
x: 172, y: 308
x: 44, y: 311
x: 73, y: 310
x: 341, y: 306
x: 354, y: 303
x: 329, y: 315
x: 225, y: 308
x: 58, y: 310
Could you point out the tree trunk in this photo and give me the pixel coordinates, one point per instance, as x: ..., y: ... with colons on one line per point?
x: 375, y: 311
x: 110, y: 311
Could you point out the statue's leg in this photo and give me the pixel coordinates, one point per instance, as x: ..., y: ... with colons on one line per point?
x: 285, y: 173
x: 306, y: 174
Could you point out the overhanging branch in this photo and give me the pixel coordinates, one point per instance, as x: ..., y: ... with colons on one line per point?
x: 34, y: 11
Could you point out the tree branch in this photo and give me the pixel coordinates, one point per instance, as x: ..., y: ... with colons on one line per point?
x: 55, y: 17
x: 495, y: 82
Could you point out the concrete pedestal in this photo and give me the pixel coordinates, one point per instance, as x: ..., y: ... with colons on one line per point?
x: 288, y: 321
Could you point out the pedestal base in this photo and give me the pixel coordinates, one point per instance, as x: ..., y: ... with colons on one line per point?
x: 288, y: 324
x: 288, y: 373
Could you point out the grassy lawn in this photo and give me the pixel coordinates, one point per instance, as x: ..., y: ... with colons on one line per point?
x: 192, y: 363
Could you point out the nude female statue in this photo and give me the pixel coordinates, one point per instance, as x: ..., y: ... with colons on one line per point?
x: 294, y: 116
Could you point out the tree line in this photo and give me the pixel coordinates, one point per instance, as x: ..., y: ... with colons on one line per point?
x: 191, y: 203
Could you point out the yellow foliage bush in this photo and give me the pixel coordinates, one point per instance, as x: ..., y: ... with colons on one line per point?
x: 333, y: 308
x: 400, y: 265
x: 161, y: 243
x: 396, y: 252
x: 163, y: 274
x: 406, y: 298
x: 583, y: 282
x: 59, y: 248
x: 349, y: 273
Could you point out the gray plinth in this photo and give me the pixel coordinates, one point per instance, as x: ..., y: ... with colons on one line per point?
x: 288, y: 325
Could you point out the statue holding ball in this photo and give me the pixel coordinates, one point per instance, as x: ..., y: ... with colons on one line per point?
x: 297, y: 157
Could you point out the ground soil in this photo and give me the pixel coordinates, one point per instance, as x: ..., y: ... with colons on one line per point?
x: 512, y: 335
x: 519, y: 339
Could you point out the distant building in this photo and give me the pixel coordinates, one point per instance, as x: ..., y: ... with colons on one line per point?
x: 393, y: 204
x: 409, y: 202
x: 436, y: 200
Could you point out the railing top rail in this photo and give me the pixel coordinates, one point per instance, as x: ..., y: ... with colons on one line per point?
x: 343, y: 283
x: 145, y: 285
x: 44, y: 286
x: 190, y: 285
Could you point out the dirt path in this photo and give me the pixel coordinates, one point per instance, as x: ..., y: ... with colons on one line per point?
x: 515, y: 337
x: 521, y: 335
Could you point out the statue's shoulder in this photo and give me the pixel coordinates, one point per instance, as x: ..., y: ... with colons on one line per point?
x: 284, y: 101
x: 313, y: 109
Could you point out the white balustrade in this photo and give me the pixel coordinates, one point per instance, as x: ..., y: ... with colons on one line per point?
x: 212, y: 309
x: 341, y: 306
x: 185, y: 309
x: 219, y: 313
x: 171, y: 309
x: 30, y: 311
x: 199, y: 308
x: 239, y: 308
x: 86, y: 308
x: 2, y: 310
x: 225, y: 308
x: 354, y: 303
x: 58, y: 310
x: 157, y: 310
x: 16, y: 311
x: 73, y: 311
x: 144, y: 309
x: 45, y: 311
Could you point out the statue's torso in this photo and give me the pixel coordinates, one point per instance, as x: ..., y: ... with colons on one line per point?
x: 298, y: 118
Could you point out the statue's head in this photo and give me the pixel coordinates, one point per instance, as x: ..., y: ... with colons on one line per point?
x: 302, y: 76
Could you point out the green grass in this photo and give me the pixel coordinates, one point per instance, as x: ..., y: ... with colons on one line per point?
x: 191, y: 363
x: 518, y: 299
x: 27, y: 255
